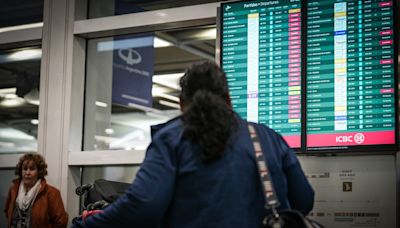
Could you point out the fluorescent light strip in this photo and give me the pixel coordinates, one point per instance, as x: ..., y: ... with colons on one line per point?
x: 21, y: 27
x: 101, y: 104
x: 169, y: 97
x: 169, y: 104
x: 25, y: 55
x: 158, y: 43
x: 168, y: 80
x: 8, y: 90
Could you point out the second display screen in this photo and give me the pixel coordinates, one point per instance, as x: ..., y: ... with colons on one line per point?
x: 350, y: 73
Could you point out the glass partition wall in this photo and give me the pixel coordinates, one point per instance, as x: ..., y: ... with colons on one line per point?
x: 20, y: 62
x: 122, y: 77
x: 132, y: 82
x: 19, y: 99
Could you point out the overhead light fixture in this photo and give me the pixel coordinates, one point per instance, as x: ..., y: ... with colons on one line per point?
x: 158, y: 91
x: 167, y: 96
x: 109, y: 131
x: 11, y: 100
x: 168, y: 80
x: 34, y: 121
x: 101, y: 104
x: 14, y: 134
x: 7, y: 145
x: 158, y: 43
x: 10, y: 96
x: 169, y: 104
x: 208, y: 34
x: 21, y: 27
x: 26, y: 54
x: 8, y: 91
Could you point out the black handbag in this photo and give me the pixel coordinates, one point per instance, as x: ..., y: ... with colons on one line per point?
x: 288, y: 218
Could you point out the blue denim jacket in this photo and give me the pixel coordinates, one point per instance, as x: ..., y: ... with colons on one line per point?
x: 174, y: 189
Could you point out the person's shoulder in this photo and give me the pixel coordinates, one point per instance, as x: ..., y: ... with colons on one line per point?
x: 16, y: 182
x: 15, y: 185
x: 169, y: 129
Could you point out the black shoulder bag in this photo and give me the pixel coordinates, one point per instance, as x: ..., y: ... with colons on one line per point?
x: 278, y: 219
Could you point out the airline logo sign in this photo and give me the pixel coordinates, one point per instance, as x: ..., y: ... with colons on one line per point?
x: 133, y: 67
x: 130, y: 56
x: 357, y: 138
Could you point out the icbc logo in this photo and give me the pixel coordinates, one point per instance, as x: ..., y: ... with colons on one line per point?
x: 357, y: 138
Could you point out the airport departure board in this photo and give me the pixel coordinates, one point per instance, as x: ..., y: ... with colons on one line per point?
x: 350, y: 73
x: 261, y: 56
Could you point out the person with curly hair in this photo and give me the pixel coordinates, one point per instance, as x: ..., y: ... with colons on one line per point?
x: 200, y: 169
x: 31, y: 202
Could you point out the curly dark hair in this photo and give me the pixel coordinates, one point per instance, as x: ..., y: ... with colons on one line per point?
x: 37, y: 159
x: 208, y: 118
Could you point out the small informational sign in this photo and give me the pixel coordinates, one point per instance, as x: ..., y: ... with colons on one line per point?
x: 353, y: 191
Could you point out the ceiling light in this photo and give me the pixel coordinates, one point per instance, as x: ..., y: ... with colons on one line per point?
x: 167, y: 96
x: 7, y: 145
x: 10, y: 96
x: 158, y: 43
x: 8, y: 90
x: 168, y: 80
x: 21, y: 27
x: 156, y: 90
x: 101, y: 104
x: 15, y: 134
x: 34, y: 121
x: 109, y: 131
x: 12, y: 102
x: 169, y: 104
x: 33, y: 102
x: 26, y: 54
x: 208, y: 34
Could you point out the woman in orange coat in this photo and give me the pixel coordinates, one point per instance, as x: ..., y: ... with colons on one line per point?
x: 31, y: 202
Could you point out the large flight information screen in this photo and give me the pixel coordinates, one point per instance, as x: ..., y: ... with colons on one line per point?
x: 350, y: 73
x: 261, y: 56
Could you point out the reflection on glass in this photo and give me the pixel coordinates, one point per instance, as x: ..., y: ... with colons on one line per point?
x: 19, y: 99
x: 21, y: 12
x: 132, y: 83
x: 104, y: 8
